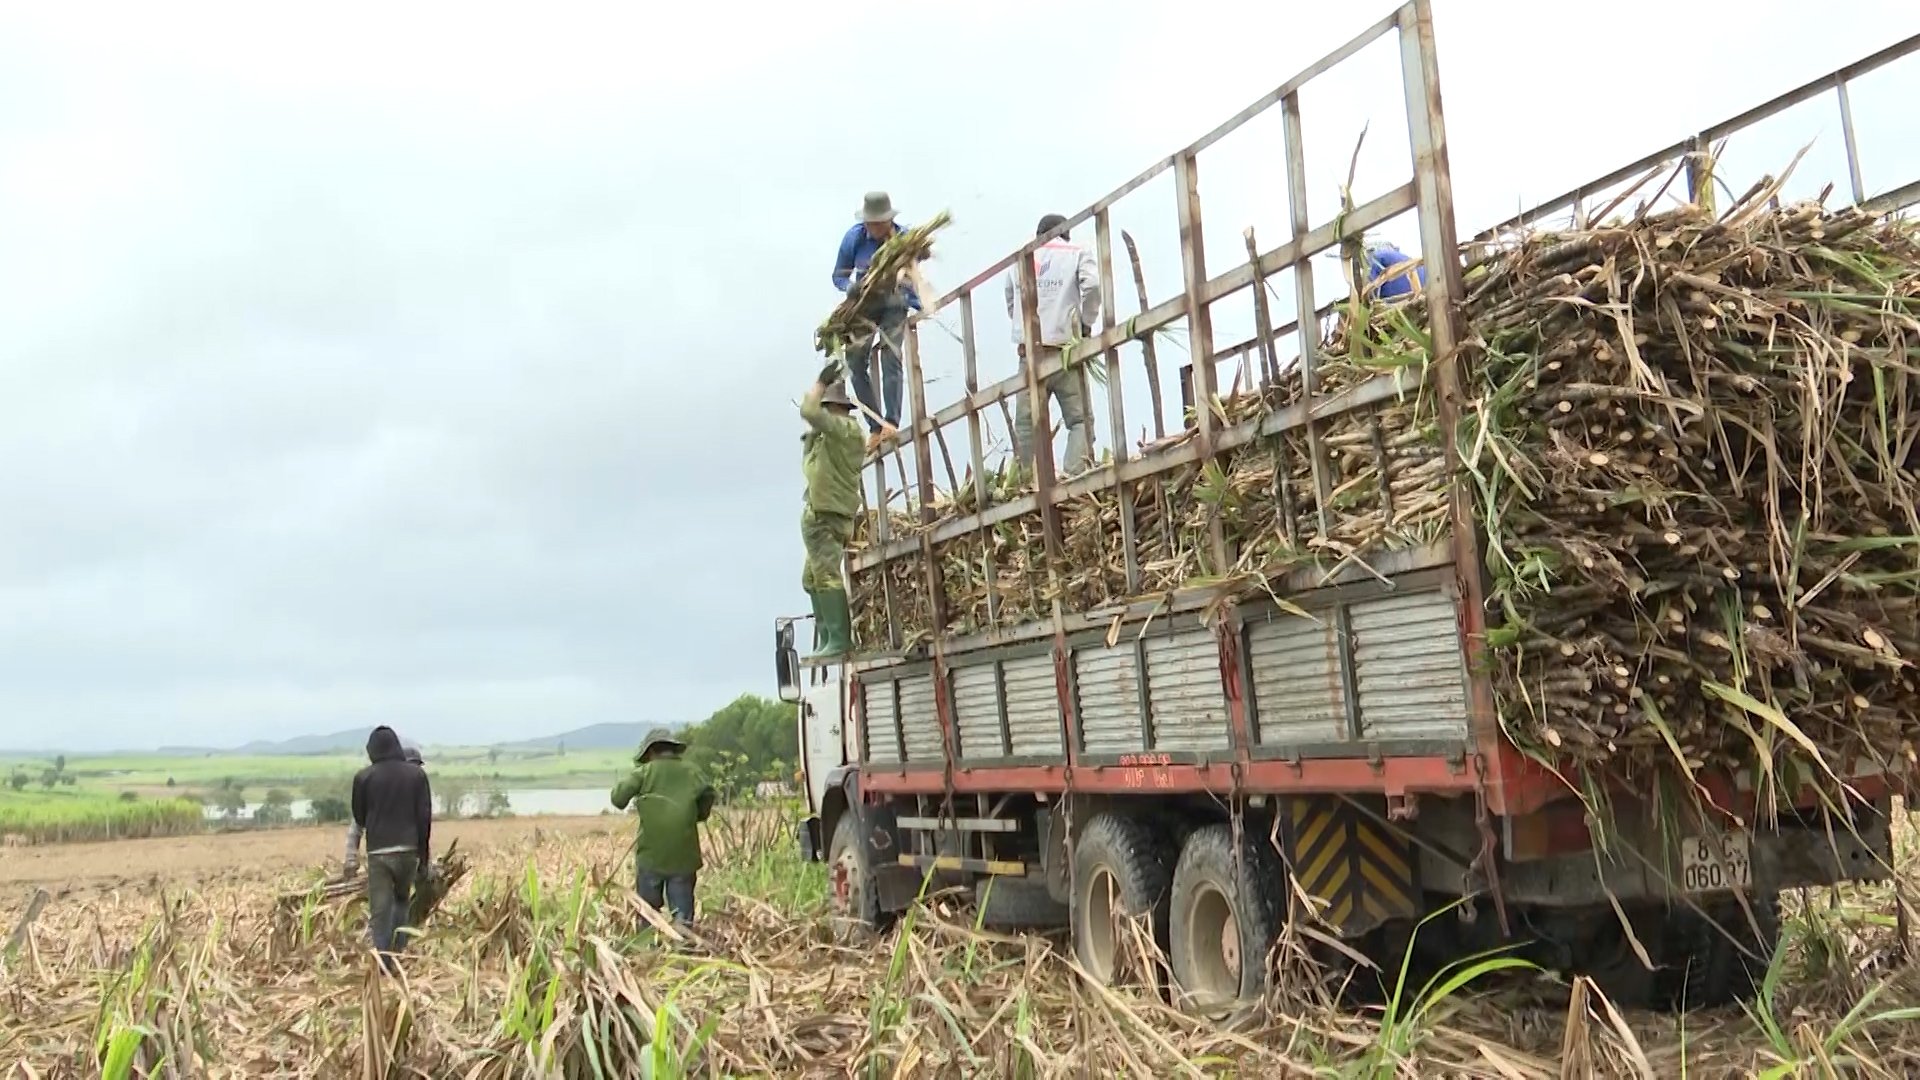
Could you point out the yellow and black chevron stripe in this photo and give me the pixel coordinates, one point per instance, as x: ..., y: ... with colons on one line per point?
x: 1359, y: 870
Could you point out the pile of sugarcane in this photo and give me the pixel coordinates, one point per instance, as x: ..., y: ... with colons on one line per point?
x: 1689, y: 442
x: 1692, y: 455
x: 896, y: 263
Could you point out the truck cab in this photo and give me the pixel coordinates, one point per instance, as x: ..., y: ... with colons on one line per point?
x: 824, y: 733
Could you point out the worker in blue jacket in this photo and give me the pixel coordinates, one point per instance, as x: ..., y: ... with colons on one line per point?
x: 1382, y: 258
x: 888, y: 314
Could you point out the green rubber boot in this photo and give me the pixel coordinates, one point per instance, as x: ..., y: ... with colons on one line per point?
x: 832, y: 624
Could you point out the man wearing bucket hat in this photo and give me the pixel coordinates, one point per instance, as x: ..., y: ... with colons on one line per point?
x: 671, y: 801
x: 876, y: 225
x: 831, y: 453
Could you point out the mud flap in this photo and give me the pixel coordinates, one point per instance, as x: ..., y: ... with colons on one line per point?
x: 1358, y: 869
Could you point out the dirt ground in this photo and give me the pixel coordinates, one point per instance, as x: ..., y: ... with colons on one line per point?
x: 64, y: 869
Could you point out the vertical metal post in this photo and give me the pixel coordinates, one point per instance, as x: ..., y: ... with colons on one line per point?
x: 1846, y: 134
x: 1304, y: 304
x: 1116, y: 405
x: 923, y: 467
x: 1434, y: 186
x: 1193, y: 262
x: 1039, y: 406
x: 977, y: 453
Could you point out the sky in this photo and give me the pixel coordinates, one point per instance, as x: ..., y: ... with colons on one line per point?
x: 435, y: 364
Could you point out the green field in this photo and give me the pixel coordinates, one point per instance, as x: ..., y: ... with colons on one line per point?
x: 158, y: 774
x: 66, y: 814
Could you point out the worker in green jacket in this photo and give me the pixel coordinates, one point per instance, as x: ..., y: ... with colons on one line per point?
x: 832, y: 452
x: 671, y: 800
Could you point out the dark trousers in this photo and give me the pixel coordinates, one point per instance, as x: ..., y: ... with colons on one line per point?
x: 389, y: 889
x: 862, y: 354
x: 668, y: 892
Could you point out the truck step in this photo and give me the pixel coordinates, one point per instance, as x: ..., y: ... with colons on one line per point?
x: 960, y: 824
x: 1001, y: 867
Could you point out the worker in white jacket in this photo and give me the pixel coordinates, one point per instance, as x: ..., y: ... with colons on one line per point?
x: 1069, y: 303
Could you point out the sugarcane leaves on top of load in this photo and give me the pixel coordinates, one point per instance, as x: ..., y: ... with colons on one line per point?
x: 898, y: 258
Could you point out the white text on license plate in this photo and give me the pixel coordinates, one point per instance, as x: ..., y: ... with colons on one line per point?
x: 1711, y: 863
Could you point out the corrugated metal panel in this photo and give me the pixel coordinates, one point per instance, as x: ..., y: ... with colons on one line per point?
x: 880, y: 722
x: 1297, y: 694
x: 920, y: 722
x: 976, y: 712
x: 1184, y: 692
x: 1109, y: 684
x: 1408, y: 668
x: 1033, y: 707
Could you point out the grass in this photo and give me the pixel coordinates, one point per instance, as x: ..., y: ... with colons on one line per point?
x: 168, y: 774
x: 541, y: 963
x: 63, y: 815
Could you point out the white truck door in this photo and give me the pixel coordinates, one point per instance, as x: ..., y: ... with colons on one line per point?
x: 823, y: 727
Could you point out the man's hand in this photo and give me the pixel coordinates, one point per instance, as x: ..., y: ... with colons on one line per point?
x: 831, y: 373
x: 348, y: 869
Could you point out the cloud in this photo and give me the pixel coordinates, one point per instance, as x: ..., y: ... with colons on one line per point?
x: 436, y: 365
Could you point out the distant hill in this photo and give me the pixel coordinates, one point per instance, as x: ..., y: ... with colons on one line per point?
x: 354, y: 741
x: 351, y: 740
x: 591, y: 737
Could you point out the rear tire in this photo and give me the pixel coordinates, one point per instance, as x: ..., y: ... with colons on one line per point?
x: 1121, y: 870
x: 1226, y: 915
x: 1011, y: 903
x: 851, y: 894
x: 1713, y: 966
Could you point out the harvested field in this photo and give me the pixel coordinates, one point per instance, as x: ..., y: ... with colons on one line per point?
x: 1688, y: 440
x: 541, y: 964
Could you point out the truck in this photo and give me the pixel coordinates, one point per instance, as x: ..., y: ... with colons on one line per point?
x: 1223, y: 772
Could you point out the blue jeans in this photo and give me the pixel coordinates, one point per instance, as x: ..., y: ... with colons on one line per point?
x: 668, y: 892
x: 389, y: 890
x: 892, y: 322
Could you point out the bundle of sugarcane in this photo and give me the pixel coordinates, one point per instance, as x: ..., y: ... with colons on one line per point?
x: 896, y: 263
x: 429, y: 889
x: 1692, y: 449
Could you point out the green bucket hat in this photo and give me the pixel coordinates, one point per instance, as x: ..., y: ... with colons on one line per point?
x: 656, y: 739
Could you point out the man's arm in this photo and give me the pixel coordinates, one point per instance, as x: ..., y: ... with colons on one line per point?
x: 1013, y: 311
x: 352, y: 862
x: 704, y: 804
x: 626, y: 789
x: 843, y: 262
x: 360, y: 799
x: 423, y: 813
x: 1089, y: 276
x: 814, y: 413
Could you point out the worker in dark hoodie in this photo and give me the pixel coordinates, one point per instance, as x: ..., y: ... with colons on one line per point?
x: 393, y: 805
x: 352, y: 864
x: 671, y: 800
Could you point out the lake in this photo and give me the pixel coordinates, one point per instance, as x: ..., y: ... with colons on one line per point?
x: 523, y: 802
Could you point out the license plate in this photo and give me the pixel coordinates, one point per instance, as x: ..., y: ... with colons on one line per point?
x: 1716, y: 863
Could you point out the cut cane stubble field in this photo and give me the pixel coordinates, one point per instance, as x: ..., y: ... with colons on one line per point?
x: 1672, y: 552
x: 540, y: 963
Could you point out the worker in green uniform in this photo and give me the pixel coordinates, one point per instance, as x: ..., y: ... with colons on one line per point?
x: 832, y: 451
x: 671, y: 800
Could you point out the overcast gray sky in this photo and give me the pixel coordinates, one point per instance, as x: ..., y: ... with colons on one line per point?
x: 434, y: 364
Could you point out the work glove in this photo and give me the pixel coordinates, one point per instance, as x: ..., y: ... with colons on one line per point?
x: 832, y: 372
x: 349, y: 868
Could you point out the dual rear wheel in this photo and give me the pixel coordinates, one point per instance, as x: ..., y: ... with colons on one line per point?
x: 1211, y: 912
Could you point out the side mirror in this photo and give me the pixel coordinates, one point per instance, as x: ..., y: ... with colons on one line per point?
x: 786, y: 661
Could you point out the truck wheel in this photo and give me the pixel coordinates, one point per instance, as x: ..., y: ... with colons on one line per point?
x: 1719, y: 965
x: 1121, y: 870
x: 850, y: 890
x: 1011, y: 903
x: 1225, y: 917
